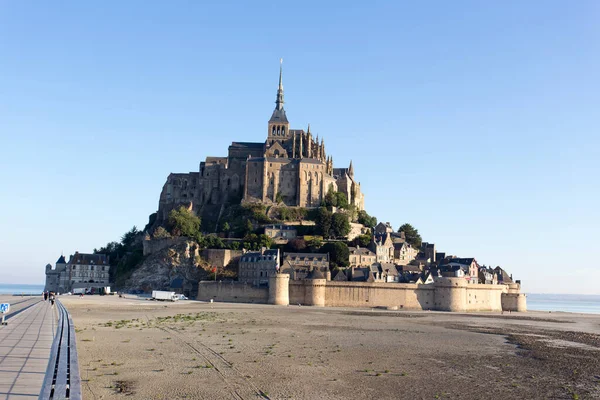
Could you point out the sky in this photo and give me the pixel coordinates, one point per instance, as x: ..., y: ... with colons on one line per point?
x: 476, y: 122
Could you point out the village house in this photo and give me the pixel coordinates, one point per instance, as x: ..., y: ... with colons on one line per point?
x: 404, y: 253
x: 361, y: 257
x: 281, y: 233
x: 383, y: 247
x: 256, y: 266
x: 461, y: 267
x: 385, y: 272
x: 382, y: 228
x: 298, y: 265
x: 488, y: 276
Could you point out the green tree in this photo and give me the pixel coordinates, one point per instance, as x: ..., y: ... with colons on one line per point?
x: 323, y: 221
x: 330, y: 199
x: 341, y: 200
x: 183, y: 222
x: 278, y: 198
x: 226, y: 228
x: 362, y: 240
x: 235, y: 245
x: 340, y: 225
x: 129, y: 237
x: 314, y: 244
x: 366, y: 219
x: 249, y: 228
x: 412, y: 235
x: 339, y: 255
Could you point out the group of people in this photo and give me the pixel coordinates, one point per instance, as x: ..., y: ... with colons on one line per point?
x: 49, y: 296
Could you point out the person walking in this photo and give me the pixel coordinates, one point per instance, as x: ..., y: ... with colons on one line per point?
x: 51, y: 297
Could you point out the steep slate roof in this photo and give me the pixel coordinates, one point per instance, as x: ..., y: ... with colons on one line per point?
x: 340, y: 276
x: 503, y: 276
x: 306, y: 256
x: 87, y: 259
x: 246, y: 145
x: 410, y: 268
x: 361, y: 250
x: 390, y: 267
x: 461, y: 261
x: 315, y: 273
x: 360, y: 274
x: 279, y: 116
x: 61, y: 260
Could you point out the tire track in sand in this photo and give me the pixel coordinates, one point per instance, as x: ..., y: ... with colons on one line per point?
x: 240, y: 387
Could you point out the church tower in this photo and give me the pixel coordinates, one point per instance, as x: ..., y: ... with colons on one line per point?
x: 279, y: 127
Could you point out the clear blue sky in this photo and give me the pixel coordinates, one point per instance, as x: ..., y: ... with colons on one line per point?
x: 477, y: 122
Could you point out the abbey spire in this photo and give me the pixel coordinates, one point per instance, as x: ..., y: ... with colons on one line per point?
x: 278, y: 124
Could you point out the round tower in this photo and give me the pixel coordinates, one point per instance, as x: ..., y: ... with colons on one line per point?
x: 314, y: 289
x: 451, y: 294
x: 513, y: 299
x: 279, y: 289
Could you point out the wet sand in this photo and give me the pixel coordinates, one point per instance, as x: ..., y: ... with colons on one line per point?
x: 194, y: 350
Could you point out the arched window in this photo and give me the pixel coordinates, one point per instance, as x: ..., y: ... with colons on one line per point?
x: 283, y: 131
x: 273, y: 133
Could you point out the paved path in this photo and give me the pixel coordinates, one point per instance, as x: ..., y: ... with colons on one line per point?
x: 25, y: 345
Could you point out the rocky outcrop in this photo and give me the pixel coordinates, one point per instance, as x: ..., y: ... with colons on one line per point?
x: 180, y: 260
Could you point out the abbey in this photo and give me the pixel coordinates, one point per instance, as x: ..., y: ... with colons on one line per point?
x: 291, y: 166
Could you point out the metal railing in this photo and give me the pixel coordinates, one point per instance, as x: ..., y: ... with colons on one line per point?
x: 62, y: 380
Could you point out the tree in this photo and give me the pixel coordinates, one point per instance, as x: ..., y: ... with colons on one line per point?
x: 362, y: 240
x: 339, y: 255
x: 314, y: 244
x: 129, y: 237
x: 366, y: 219
x: 278, y: 198
x: 183, y: 222
x: 226, y: 227
x: 297, y: 245
x: 340, y: 225
x: 341, y: 199
x: 412, y: 235
x: 330, y: 199
x: 161, y: 233
x: 323, y: 221
x: 249, y: 227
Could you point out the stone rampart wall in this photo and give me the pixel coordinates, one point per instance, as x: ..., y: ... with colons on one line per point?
x: 235, y: 292
x: 357, y: 294
x: 448, y: 295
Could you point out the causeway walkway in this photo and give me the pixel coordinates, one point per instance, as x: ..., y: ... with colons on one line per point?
x: 25, y: 345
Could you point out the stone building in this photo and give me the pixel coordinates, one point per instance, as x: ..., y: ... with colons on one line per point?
x: 404, y: 253
x: 83, y: 271
x: 291, y: 166
x: 298, y: 265
x: 383, y: 247
x: 361, y: 257
x: 281, y: 233
x: 256, y: 266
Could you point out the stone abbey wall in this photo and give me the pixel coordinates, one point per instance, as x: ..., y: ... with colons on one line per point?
x: 448, y: 294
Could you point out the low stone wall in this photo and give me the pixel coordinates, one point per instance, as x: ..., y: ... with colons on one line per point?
x: 236, y: 292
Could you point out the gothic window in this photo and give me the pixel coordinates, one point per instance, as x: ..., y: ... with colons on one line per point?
x: 283, y: 131
x: 273, y: 133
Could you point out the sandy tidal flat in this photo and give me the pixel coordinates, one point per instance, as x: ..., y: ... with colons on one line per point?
x: 192, y: 350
